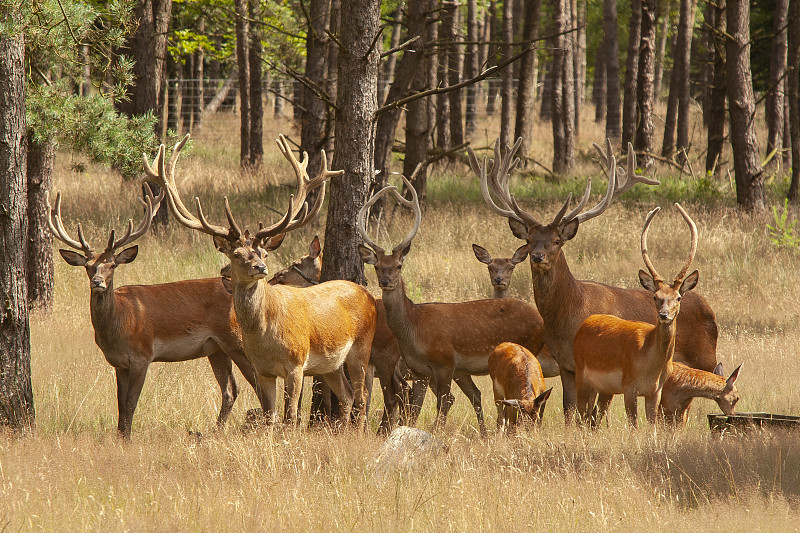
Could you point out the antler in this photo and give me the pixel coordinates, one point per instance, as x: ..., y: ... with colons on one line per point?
x: 58, y: 230
x: 692, y: 247
x: 413, y: 203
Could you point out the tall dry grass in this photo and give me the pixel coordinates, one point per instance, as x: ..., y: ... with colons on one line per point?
x: 72, y: 474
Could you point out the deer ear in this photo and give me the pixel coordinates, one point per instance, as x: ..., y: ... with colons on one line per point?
x: 228, y: 284
x: 274, y: 242
x: 481, y: 254
x: 222, y: 244
x: 314, y: 248
x: 690, y: 282
x: 732, y: 379
x: 404, y: 252
x: 647, y: 281
x: 520, y: 254
x: 569, y: 230
x: 512, y: 403
x: 367, y: 254
x: 541, y: 401
x: 718, y: 370
x: 518, y: 229
x: 127, y: 255
x: 73, y: 258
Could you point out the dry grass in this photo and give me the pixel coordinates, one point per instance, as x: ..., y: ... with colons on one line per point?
x: 73, y: 474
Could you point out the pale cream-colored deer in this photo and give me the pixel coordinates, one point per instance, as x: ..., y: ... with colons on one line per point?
x: 565, y: 302
x: 289, y: 331
x: 501, y: 268
x: 445, y: 341
x: 518, y: 386
x: 618, y: 356
x: 685, y: 384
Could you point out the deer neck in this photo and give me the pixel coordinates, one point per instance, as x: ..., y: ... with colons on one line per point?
x: 103, y: 307
x: 500, y: 293
x: 664, y: 339
x: 401, y: 316
x: 556, y: 291
x: 701, y: 384
x: 253, y: 303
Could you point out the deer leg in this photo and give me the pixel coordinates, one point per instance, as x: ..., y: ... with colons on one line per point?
x: 358, y: 374
x: 419, y: 387
x: 570, y: 399
x: 472, y: 392
x: 651, y: 405
x: 339, y: 385
x: 631, y: 407
x: 603, y: 401
x: 293, y: 382
x: 585, y: 397
x: 123, y: 425
x: 266, y: 387
x: 442, y: 381
x: 222, y: 366
x: 389, y: 387
x: 249, y: 373
x: 136, y: 376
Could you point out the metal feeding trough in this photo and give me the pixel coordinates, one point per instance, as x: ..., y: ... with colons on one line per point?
x: 744, y: 422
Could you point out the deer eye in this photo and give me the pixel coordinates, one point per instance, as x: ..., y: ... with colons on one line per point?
x: 679, y: 299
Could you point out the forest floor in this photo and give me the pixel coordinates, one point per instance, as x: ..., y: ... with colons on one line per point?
x: 73, y: 474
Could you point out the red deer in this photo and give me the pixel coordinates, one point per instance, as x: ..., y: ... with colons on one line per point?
x: 500, y: 269
x: 290, y: 331
x: 617, y: 356
x: 518, y: 385
x: 565, y: 302
x: 445, y: 341
x: 685, y: 383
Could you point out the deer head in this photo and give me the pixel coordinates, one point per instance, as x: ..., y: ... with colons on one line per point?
x: 100, y: 266
x: 246, y: 251
x: 500, y: 269
x: 305, y: 271
x: 667, y: 296
x: 532, y: 409
x: 388, y: 267
x: 730, y: 395
x: 545, y: 241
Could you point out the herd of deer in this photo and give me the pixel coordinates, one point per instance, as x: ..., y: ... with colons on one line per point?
x: 600, y: 339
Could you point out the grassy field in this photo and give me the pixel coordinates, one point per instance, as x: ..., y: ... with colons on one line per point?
x: 73, y: 474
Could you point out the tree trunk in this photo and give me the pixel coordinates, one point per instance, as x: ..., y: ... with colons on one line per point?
x: 243, y: 60
x: 719, y: 91
x: 41, y: 157
x: 471, y: 65
x: 793, y: 63
x: 454, y: 68
x: 279, y: 86
x: 777, y: 71
x: 645, y: 97
x: 563, y: 87
x: 507, y: 74
x: 313, y: 136
x: 579, y: 58
x: 749, y: 174
x: 526, y: 99
x: 442, y: 100
x: 187, y: 94
x: 599, y: 84
x: 678, y: 105
x: 357, y: 101
x: 613, y: 97
x: 494, y: 37
x: 631, y: 73
x: 16, y: 392
x: 199, y: 93
x: 256, y: 91
x: 664, y: 8
x: 387, y: 70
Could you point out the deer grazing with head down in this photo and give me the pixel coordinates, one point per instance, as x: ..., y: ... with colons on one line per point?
x: 565, y: 302
x: 685, y: 384
x: 501, y: 268
x: 445, y: 341
x: 618, y: 356
x: 518, y: 386
x: 290, y: 332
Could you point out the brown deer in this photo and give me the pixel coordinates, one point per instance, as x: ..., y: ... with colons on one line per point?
x: 617, y: 356
x: 518, y: 386
x: 565, y: 302
x: 685, y: 383
x: 500, y: 269
x: 289, y: 331
x: 445, y: 341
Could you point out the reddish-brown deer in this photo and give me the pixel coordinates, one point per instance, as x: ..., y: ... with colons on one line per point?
x: 445, y: 341
x: 685, y: 383
x: 288, y: 331
x: 618, y: 356
x: 518, y: 386
x: 501, y: 268
x: 565, y: 302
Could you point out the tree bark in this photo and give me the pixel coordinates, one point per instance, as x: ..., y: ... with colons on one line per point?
x: 793, y: 64
x: 454, y: 67
x: 41, y: 157
x: 678, y: 105
x: 749, y: 174
x: 243, y: 60
x: 471, y: 65
x: 664, y: 8
x: 443, y: 140
x: 645, y: 97
x: 563, y: 96
x: 387, y: 71
x: 777, y: 71
x: 631, y: 73
x: 719, y: 91
x: 16, y: 392
x: 613, y: 97
x: 357, y: 101
x: 579, y: 59
x: 279, y: 86
x: 494, y: 37
x: 507, y: 74
x: 599, y: 84
x: 256, y: 92
x: 526, y: 99
x: 314, y: 133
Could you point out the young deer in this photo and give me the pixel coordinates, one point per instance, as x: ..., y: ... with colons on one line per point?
x: 617, y: 356
x: 445, y: 341
x: 518, y: 385
x: 500, y: 269
x: 685, y: 383
x: 564, y: 301
x: 290, y: 331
